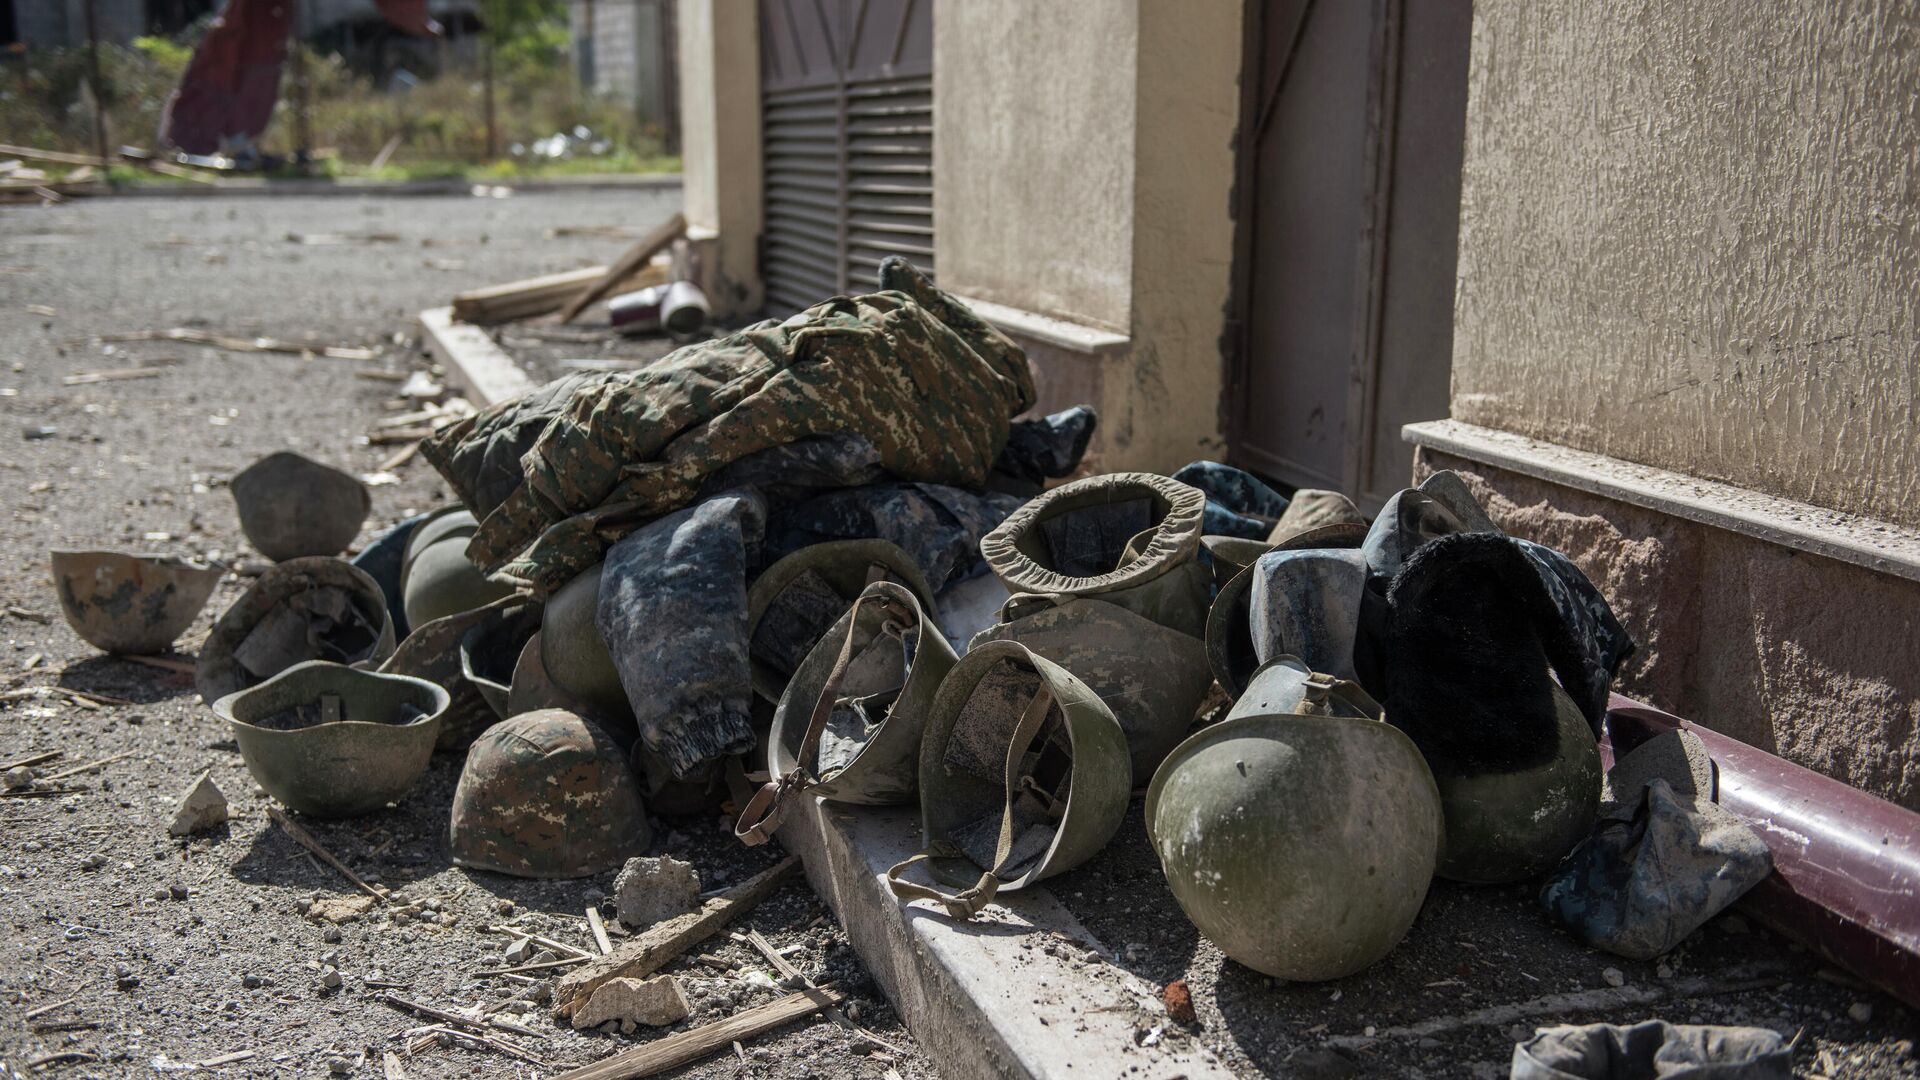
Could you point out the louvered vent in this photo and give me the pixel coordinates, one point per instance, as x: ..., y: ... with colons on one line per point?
x: 847, y: 130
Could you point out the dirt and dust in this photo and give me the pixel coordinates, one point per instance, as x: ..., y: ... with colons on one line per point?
x: 128, y: 952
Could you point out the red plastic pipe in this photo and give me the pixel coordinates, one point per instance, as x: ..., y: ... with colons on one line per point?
x: 1846, y: 865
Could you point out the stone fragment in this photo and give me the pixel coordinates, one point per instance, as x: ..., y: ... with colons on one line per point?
x: 1860, y: 1011
x: 1179, y: 1001
x: 19, y: 777
x: 654, y: 1002
x: 649, y: 890
x: 519, y: 951
x: 202, y: 807
x: 339, y: 909
x: 330, y: 978
x: 1614, y: 977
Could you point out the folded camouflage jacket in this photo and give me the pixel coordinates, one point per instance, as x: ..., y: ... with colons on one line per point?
x: 930, y: 384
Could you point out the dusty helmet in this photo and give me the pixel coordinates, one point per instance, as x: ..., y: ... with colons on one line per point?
x: 546, y: 795
x: 315, y: 608
x: 849, y: 726
x: 1504, y: 827
x: 1008, y: 720
x: 292, y: 506
x: 573, y: 652
x: 490, y: 647
x: 1299, y: 834
x: 436, y: 579
x: 1230, y: 650
x: 432, y: 652
x: 798, y: 599
x: 132, y: 604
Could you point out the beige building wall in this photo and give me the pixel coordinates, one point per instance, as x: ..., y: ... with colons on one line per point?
x: 1083, y: 162
x: 719, y: 43
x: 1690, y: 238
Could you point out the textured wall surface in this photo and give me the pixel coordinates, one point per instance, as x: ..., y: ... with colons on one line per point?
x: 1033, y: 118
x: 1803, y: 656
x: 719, y: 61
x: 1690, y: 237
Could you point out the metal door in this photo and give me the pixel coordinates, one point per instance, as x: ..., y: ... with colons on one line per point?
x: 1348, y: 216
x: 847, y: 138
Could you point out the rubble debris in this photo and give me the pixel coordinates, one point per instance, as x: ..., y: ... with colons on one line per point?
x: 636, y: 257
x: 18, y: 777
x: 329, y: 978
x: 650, y: 890
x: 679, y: 1049
x: 664, y: 942
x: 202, y: 806
x: 653, y: 1002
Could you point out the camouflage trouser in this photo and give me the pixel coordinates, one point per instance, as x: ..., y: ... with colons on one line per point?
x: 673, y: 611
x: 926, y: 382
x: 1238, y: 502
x: 938, y: 526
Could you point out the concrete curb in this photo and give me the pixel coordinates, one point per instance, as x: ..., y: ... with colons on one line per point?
x: 530, y: 185
x: 984, y: 998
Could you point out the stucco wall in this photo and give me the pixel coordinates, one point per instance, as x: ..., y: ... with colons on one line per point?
x: 1033, y: 114
x: 1084, y: 164
x: 1803, y: 656
x: 1690, y: 237
x: 719, y: 43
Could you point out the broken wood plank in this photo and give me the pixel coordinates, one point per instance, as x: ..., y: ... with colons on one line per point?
x: 165, y: 663
x: 306, y: 840
x: 599, y: 928
x: 88, y: 767
x: 27, y: 762
x: 504, y: 1047
x: 688, y: 1046
x: 544, y: 965
x: 636, y: 257
x: 658, y: 945
x: 520, y: 299
x: 228, y: 1059
x: 37, y: 1013
x: 400, y: 457
x: 192, y: 336
x: 88, y: 378
x: 834, y: 1012
x: 557, y: 946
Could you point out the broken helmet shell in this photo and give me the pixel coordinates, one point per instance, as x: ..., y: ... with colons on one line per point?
x: 546, y: 794
x: 1299, y: 834
x: 292, y: 506
x: 884, y: 656
x: 1007, y: 717
x: 315, y: 608
x: 131, y: 604
x: 334, y: 741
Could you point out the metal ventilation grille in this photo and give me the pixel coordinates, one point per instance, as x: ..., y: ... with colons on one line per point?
x: 847, y: 141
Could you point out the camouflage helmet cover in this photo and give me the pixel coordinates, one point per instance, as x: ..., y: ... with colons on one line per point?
x: 546, y: 795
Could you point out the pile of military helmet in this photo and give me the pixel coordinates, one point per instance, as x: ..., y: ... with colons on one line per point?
x: 659, y: 579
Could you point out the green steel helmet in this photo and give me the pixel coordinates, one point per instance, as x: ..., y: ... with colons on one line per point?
x: 292, y: 506
x: 848, y: 728
x: 798, y: 599
x: 1512, y: 826
x: 572, y: 650
x: 490, y: 648
x: 436, y: 578
x: 546, y: 795
x: 1300, y: 833
x: 1230, y: 646
x: 1023, y: 775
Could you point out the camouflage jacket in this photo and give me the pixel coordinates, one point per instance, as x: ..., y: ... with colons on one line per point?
x: 931, y: 385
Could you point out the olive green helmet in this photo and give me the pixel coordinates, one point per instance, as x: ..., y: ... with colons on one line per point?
x: 546, y: 795
x: 490, y: 648
x: 436, y: 580
x: 572, y: 650
x: 291, y: 506
x: 1507, y: 827
x: 334, y: 741
x: 432, y: 652
x: 1023, y: 775
x: 1299, y: 834
x: 1230, y: 648
x: 848, y: 728
x: 797, y: 600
